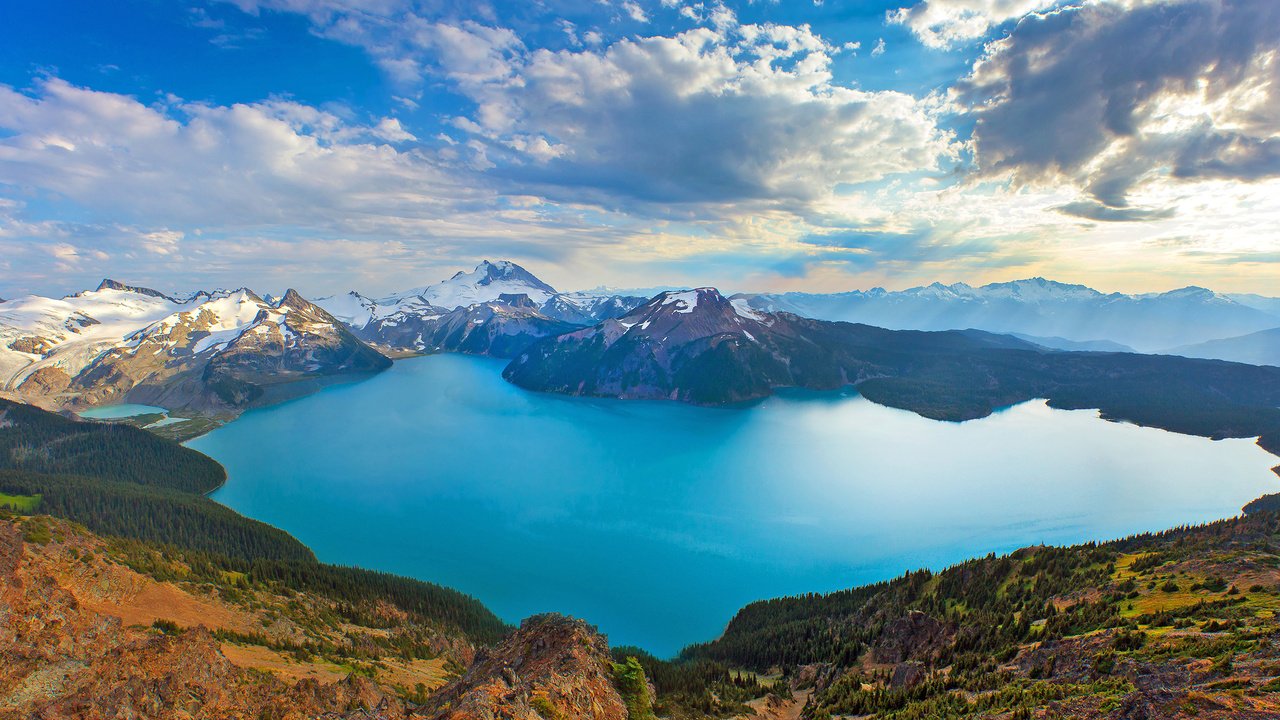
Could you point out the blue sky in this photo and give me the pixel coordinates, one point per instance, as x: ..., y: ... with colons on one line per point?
x: 381, y: 144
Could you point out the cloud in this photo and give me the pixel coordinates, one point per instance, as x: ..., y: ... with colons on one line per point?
x: 178, y: 163
x: 943, y: 24
x: 721, y: 114
x: 750, y: 113
x: 1110, y: 97
x: 1102, y: 213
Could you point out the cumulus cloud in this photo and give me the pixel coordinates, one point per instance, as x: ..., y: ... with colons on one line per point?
x: 189, y: 163
x: 1109, y: 96
x: 721, y: 114
x: 745, y: 113
x: 945, y: 23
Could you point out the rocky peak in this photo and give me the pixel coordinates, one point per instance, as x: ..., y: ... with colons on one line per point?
x: 553, y: 666
x: 518, y: 300
x: 685, y: 315
x: 505, y: 270
x: 109, y: 284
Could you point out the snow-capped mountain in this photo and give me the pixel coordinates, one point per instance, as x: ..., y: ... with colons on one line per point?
x: 68, y: 333
x: 1041, y: 308
x: 496, y: 309
x: 484, y: 284
x: 210, y: 350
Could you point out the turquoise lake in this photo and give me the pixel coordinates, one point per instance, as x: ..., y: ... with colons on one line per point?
x: 657, y: 521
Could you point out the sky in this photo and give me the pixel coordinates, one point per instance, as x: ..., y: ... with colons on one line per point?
x: 818, y: 145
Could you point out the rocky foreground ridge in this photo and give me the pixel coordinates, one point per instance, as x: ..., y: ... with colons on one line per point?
x: 1179, y: 625
x: 87, y: 629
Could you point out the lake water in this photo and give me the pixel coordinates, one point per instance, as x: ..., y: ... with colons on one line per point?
x: 115, y: 412
x: 657, y: 521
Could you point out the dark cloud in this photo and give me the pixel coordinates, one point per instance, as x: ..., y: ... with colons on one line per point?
x: 1109, y: 96
x: 1105, y: 213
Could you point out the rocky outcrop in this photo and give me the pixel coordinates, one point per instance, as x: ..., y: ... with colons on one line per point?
x: 553, y: 667
x: 45, y: 381
x: 915, y: 635
x: 32, y: 345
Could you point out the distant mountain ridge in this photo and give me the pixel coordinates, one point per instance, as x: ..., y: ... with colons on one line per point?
x: 219, y: 351
x: 1043, y: 308
x: 1260, y: 348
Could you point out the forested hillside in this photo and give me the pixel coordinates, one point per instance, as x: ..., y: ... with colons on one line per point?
x: 1171, y: 625
x: 120, y: 481
x: 37, y: 441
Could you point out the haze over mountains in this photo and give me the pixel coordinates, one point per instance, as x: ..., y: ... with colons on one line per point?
x: 221, y: 351
x: 1045, y: 309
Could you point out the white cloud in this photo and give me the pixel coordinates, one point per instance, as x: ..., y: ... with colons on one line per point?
x: 635, y: 12
x: 748, y: 113
x: 183, y: 163
x: 946, y: 23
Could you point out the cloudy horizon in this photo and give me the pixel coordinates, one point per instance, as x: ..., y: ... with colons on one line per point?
x: 375, y: 145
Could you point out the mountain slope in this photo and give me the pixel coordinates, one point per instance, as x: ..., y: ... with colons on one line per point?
x: 1173, y: 625
x: 500, y: 328
x: 64, y: 335
x: 1260, y: 348
x: 97, y: 628
x: 1039, y: 307
x: 699, y: 347
x: 210, y: 352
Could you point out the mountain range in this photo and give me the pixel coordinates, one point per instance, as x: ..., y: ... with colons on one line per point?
x: 1153, y: 322
x: 496, y: 309
x: 219, y: 352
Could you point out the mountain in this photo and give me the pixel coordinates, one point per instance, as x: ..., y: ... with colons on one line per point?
x: 496, y: 309
x: 697, y: 346
x: 212, y: 352
x: 486, y: 283
x: 1260, y: 348
x: 1269, y: 305
x: 68, y: 333
x: 1042, y: 308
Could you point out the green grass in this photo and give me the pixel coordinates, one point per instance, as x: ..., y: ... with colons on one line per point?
x: 19, y: 503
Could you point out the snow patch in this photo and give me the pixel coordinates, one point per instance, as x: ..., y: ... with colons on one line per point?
x: 744, y: 309
x: 684, y: 301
